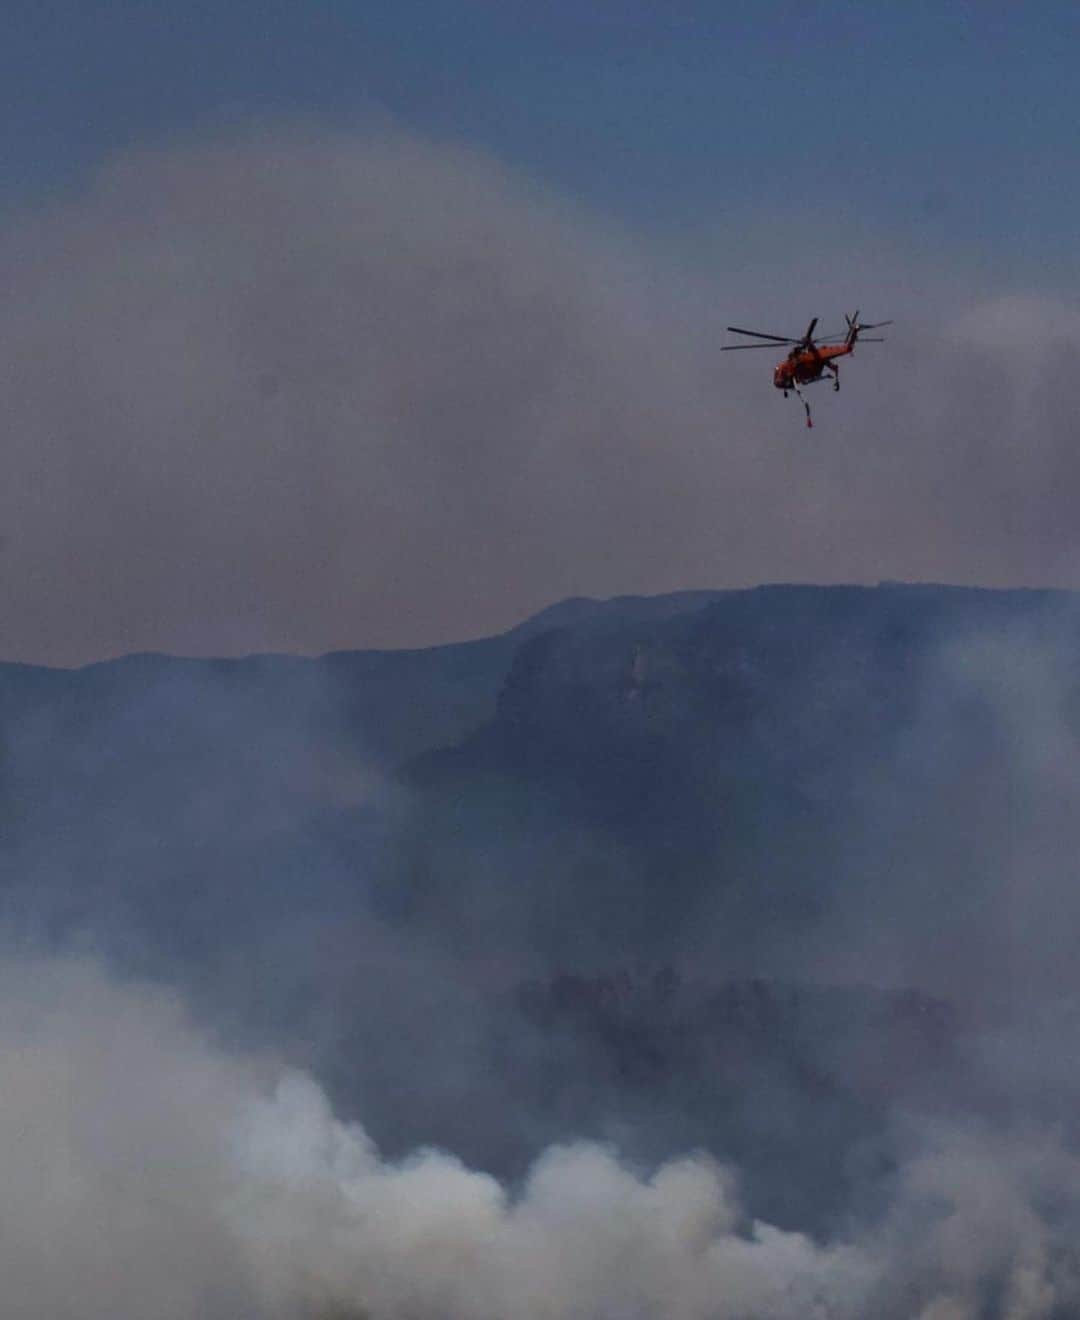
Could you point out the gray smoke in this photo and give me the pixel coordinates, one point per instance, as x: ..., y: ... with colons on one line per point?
x: 311, y: 390
x: 301, y: 389
x: 988, y: 841
x: 238, y: 1187
x: 148, y: 1174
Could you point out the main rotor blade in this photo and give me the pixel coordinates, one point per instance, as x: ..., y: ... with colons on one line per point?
x: 756, y: 334
x: 810, y: 331
x: 735, y: 348
x: 875, y: 325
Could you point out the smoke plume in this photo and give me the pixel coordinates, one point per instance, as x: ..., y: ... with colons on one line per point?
x: 149, y: 1174
x: 303, y: 389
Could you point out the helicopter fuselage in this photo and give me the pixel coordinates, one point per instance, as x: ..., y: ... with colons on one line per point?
x: 806, y: 365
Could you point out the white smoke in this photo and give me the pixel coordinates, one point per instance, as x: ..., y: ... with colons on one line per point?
x: 147, y: 1174
x: 586, y: 1236
x: 113, y: 1142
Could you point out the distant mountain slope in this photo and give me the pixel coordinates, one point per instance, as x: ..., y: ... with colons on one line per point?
x: 637, y: 768
x: 596, y: 780
x: 805, y: 801
x: 197, y: 798
x: 388, y: 706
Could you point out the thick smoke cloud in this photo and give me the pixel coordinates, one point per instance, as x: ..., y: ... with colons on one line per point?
x: 190, y: 818
x: 300, y: 390
x: 149, y: 1174
x: 114, y: 1136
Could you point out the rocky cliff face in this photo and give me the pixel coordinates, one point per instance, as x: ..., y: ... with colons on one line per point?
x: 636, y: 772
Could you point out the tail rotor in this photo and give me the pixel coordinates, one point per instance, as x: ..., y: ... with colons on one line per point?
x: 855, y: 327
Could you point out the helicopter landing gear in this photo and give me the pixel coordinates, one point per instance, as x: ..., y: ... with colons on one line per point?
x: 835, y: 379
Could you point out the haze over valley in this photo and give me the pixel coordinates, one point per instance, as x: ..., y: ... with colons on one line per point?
x: 732, y: 923
x: 499, y: 820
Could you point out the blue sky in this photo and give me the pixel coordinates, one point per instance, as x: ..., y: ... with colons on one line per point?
x: 952, y: 125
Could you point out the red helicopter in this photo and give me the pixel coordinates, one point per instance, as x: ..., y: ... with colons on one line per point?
x: 807, y: 360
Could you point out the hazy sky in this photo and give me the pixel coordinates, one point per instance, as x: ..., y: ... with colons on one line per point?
x: 338, y: 325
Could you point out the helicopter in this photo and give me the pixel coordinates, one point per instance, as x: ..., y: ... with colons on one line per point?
x: 807, y: 359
